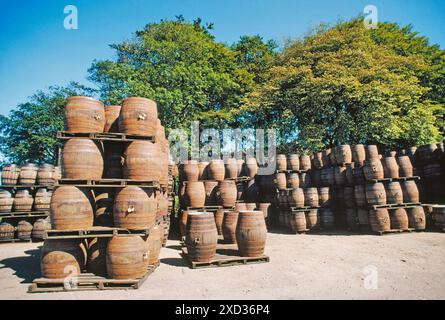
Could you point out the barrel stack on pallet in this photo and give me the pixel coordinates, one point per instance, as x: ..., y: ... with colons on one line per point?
x: 109, y: 209
x: 218, y: 218
x: 25, y: 196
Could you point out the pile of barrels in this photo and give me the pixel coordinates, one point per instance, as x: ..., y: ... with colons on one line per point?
x: 30, y: 174
x: 131, y: 207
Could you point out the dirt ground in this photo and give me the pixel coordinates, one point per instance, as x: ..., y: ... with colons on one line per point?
x: 334, y: 266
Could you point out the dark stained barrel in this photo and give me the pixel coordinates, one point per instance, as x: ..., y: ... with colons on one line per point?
x: 324, y: 197
x: 39, y: 227
x: 298, y: 221
x: 432, y: 170
x: 113, y: 153
x: 327, y: 218
x: 363, y: 216
x: 10, y: 174
x: 97, y: 256
x: 351, y: 218
x: 410, y: 191
x: 390, y: 167
x: 251, y: 233
x: 7, y: 231
x: 416, y: 218
x: 23, y: 201
x: 311, y: 197
x: 24, y: 230
x: 349, y: 174
x: 312, y: 219
x: 373, y: 169
x: 230, y: 221
x: 82, y: 159
x: 379, y: 220
x: 427, y: 154
x: 219, y: 216
x: 281, y: 162
x: 28, y: 174
x: 251, y: 167
x: 138, y: 116
x: 359, y: 175
x: 227, y: 193
x: 203, y: 171
x: 211, y: 192
x: 343, y: 154
x: 305, y: 162
x: 112, y: 118
x: 405, y: 166
x: 6, y: 200
x: 375, y: 194
x: 195, y: 194
x: 127, y: 257
x: 46, y: 174
x: 326, y: 157
x: 42, y: 199
x: 293, y: 162
x: 141, y: 161
x: 251, y: 192
x: 317, y: 161
x: 349, y: 197
x: 360, y: 195
x: 327, y: 177
x: 216, y: 170
x: 399, y: 219
x: 135, y: 208
x: 62, y: 258
x: 340, y: 175
x: 358, y: 153
x: 71, y: 208
x: 201, y: 236
x: 394, y: 193
x: 231, y: 168
x: 315, y: 177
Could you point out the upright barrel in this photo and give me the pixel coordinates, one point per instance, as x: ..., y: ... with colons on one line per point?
x: 375, y: 194
x: 195, y: 194
x: 39, y: 227
x: 84, y: 114
x: 390, y: 167
x: 23, y: 201
x: 251, y: 167
x: 373, y: 169
x: 201, y: 236
x: 82, y: 159
x: 343, y: 154
x: 191, y: 170
x: 138, y: 116
x: 154, y: 244
x: 379, y: 220
x: 211, y: 192
x: 112, y: 118
x: 42, y: 199
x: 141, y: 161
x: 7, y: 231
x: 416, y: 218
x: 6, y: 200
x: 24, y: 230
x: 358, y: 153
x: 305, y: 162
x: 46, y: 174
x: 216, y: 170
x: 405, y: 166
x: 410, y: 191
x: 293, y: 162
x: 281, y: 162
x: 394, y: 193
x: 28, y: 174
x: 227, y: 193
x: 10, y: 174
x: 251, y: 233
x: 399, y: 219
x: 230, y: 221
x: 231, y: 168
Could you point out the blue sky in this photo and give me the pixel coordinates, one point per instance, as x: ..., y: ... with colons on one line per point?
x: 36, y: 51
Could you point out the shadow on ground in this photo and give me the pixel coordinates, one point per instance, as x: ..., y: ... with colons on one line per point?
x: 176, y: 262
x: 25, y: 267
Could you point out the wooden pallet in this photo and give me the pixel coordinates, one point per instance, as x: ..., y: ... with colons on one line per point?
x: 89, y: 282
x: 109, y: 183
x: 295, y: 209
x: 104, y: 136
x: 240, y: 179
x: 224, y: 258
x: 15, y: 240
x: 26, y: 186
x: 26, y: 214
x: 395, y: 206
x: 393, y: 231
x: 205, y: 208
x: 94, y: 232
x: 394, y: 179
x: 292, y: 171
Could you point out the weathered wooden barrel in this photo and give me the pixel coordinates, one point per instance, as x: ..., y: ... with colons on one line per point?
x: 7, y: 231
x: 327, y: 218
x: 211, y: 192
x: 390, y: 167
x: 231, y: 168
x: 28, y: 173
x: 293, y: 180
x: 332, y: 159
x: 24, y: 230
x: 195, y: 194
x: 372, y: 152
x: 305, y: 179
x: 293, y: 162
x: 265, y: 208
x: 317, y: 161
x: 281, y: 181
x: 10, y: 174
x: 23, y: 201
x: 305, y: 162
x: 349, y: 174
x: 240, y: 206
x: 438, y: 216
x: 62, y: 258
x: 201, y: 236
x: 190, y: 170
x: 251, y: 191
x: 348, y: 196
x: 216, y: 170
x: 227, y: 193
x: 42, y: 199
x: 340, y: 175
x: 315, y: 177
x: 141, y: 161
x: 394, y: 193
x: 405, y: 166
x: 250, y: 206
x: 410, y: 191
x: 375, y: 194
x: 312, y: 219
x: 240, y: 187
x: 97, y: 256
x: 343, y: 154
x: 379, y: 220
x: 432, y: 170
x: 39, y: 227
x: 295, y: 198
x: 127, y: 257
x: 427, y: 154
x: 399, y: 219
x: 182, y: 222
x: 203, y: 168
x: 360, y: 195
x: 281, y: 162
x: 324, y: 197
x: 251, y: 233
x: 416, y: 218
x: 6, y: 200
x: 230, y: 222
x: 327, y: 176
x: 240, y: 163
x: 359, y: 174
x: 373, y: 169
x: 251, y: 167
x: 45, y: 174
x: 219, y: 216
x: 298, y: 221
x: 311, y: 197
x: 84, y: 114
x: 72, y: 208
x: 363, y: 216
x: 135, y: 208
x: 326, y: 156
x: 113, y: 152
x: 103, y: 214
x: 154, y: 244
x: 112, y: 118
x: 82, y: 159
x: 138, y: 116
x: 358, y: 153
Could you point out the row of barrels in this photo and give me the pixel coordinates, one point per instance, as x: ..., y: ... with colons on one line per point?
x: 24, y: 200
x: 217, y: 169
x: 308, y: 220
x: 247, y: 229
x: 30, y: 174
x: 24, y: 230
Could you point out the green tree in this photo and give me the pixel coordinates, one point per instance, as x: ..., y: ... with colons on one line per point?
x: 29, y: 132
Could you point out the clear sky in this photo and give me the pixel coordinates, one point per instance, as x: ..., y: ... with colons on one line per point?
x: 36, y: 51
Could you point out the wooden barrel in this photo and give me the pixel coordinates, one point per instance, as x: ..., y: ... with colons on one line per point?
x: 23, y: 201
x: 305, y: 179
x: 327, y: 218
x: 327, y: 177
x: 10, y: 174
x: 135, y: 208
x: 373, y: 169
x: 240, y: 206
x: 251, y: 233
x: 227, y: 193
x: 141, y: 161
x: 45, y: 174
x: 240, y: 163
x: 201, y: 236
x: 39, y: 227
x: 394, y: 193
x: 349, y: 174
x: 103, y: 214
x: 363, y: 216
x: 427, y: 154
x: 281, y: 181
x: 7, y: 231
x: 326, y: 156
x: 317, y: 161
x: 230, y: 221
x: 340, y: 175
x: 195, y: 194
x: 84, y: 114
x: 311, y: 197
x: 433, y: 170
x: 375, y: 194
x: 82, y: 159
x: 231, y: 168
x: 127, y: 257
x: 293, y: 162
x: 312, y: 219
x: 379, y: 220
x: 24, y: 230
x: 42, y: 199
x: 281, y: 162
x: 358, y: 153
x: 28, y: 174
x: 410, y: 191
x: 6, y: 200
x: 438, y: 216
x: 97, y: 256
x: 162, y: 202
x: 360, y: 195
x: 359, y: 174
x: 62, y: 258
x: 324, y: 197
x: 216, y: 170
x: 113, y: 152
x: 296, y: 198
x: 203, y: 168
x: 250, y: 206
x: 349, y: 197
x: 138, y: 116
x: 372, y: 152
x: 72, y: 208
x: 405, y: 166
x: 251, y: 192
x: 399, y: 219
x: 293, y: 180
x: 343, y: 154
x: 265, y: 208
x: 416, y: 218
x: 251, y: 167
x: 219, y: 216
x: 390, y: 167
x: 182, y: 222
x: 298, y: 221
x: 154, y: 244
x: 112, y: 118
x: 305, y: 162
x: 211, y: 192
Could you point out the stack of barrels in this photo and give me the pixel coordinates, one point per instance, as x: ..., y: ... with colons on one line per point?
x: 30, y: 174
x: 130, y: 207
